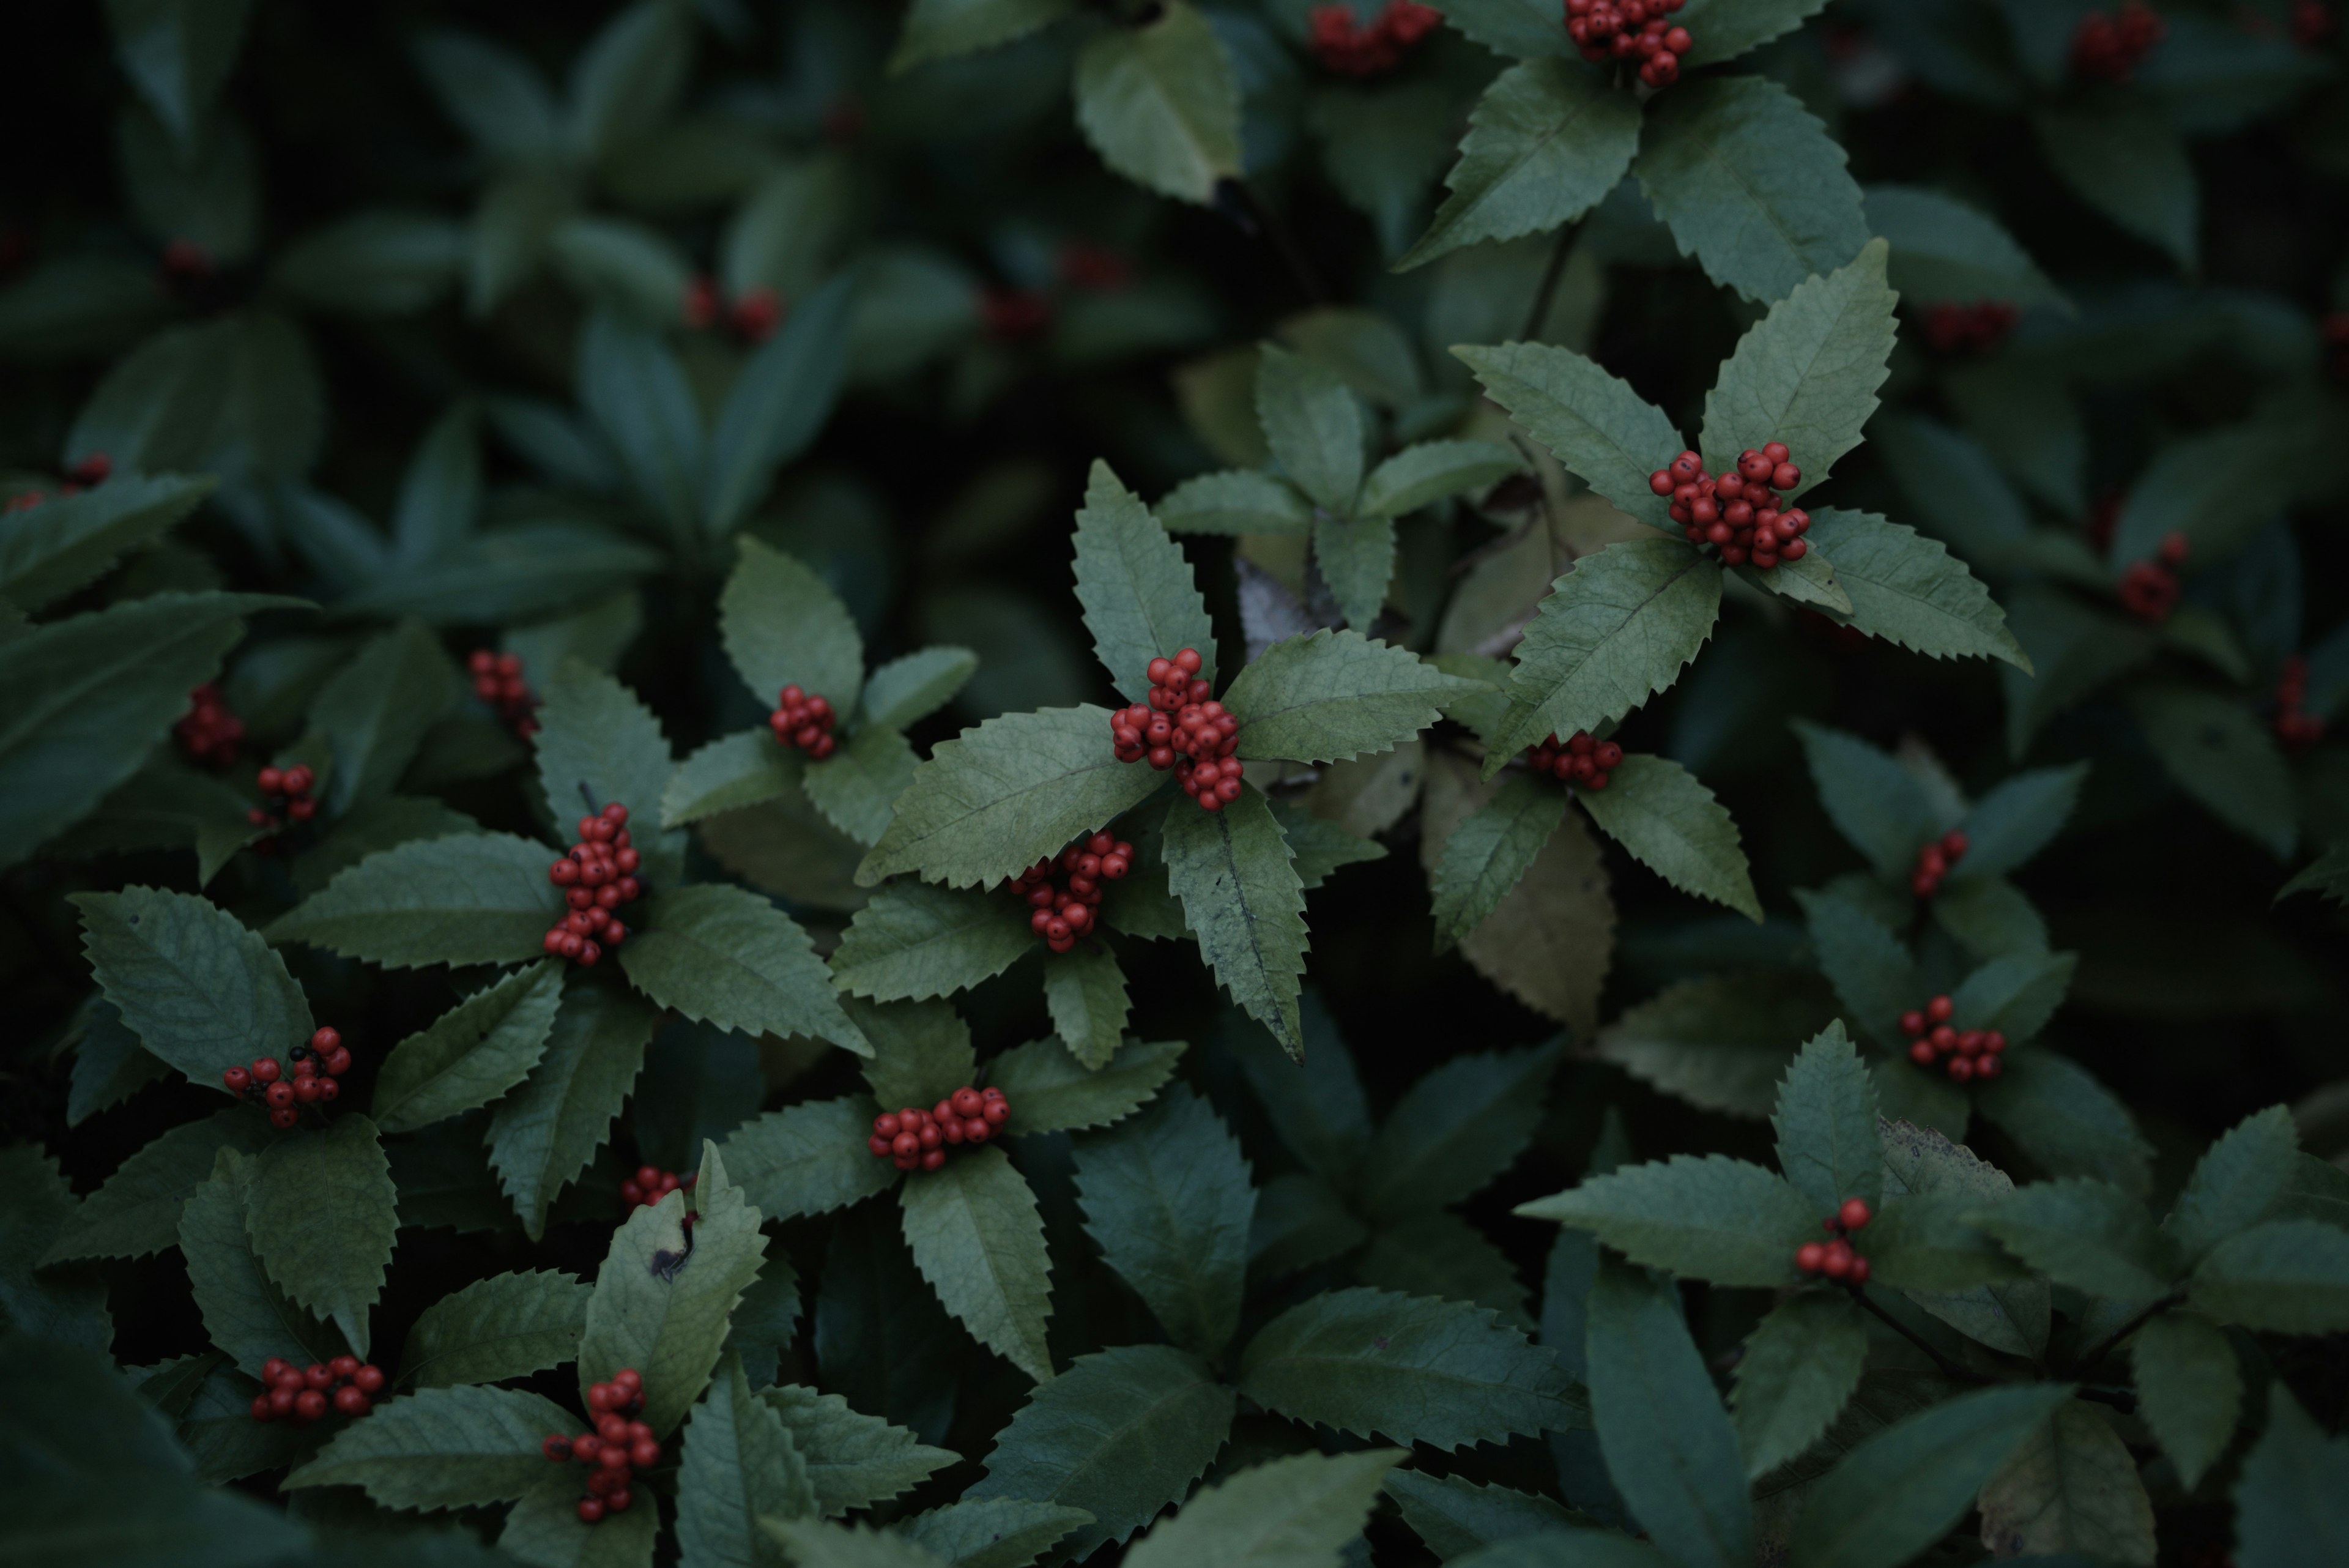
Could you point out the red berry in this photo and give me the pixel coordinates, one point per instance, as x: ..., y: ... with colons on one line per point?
x: 1810, y: 1256
x: 1836, y: 1262
x: 280, y: 1095
x: 591, y: 1511
x: 1188, y: 661
x: 1939, y: 1008
x: 309, y: 1404
x: 1854, y: 1214
x: 284, y: 1116
x: 351, y: 1402
x: 261, y: 1409
x: 1921, y: 1052
x: 996, y: 1112
x: 273, y: 1369
x: 265, y: 1071
x: 1859, y: 1271
x: 368, y: 1379
x: 237, y: 1079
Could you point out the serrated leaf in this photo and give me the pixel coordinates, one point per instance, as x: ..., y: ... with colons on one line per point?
x: 542, y: 1134
x: 200, y: 988
x: 728, y: 958
x: 1241, y: 896
x: 940, y: 29
x: 914, y: 687
x: 1946, y: 252
x: 2089, y: 1235
x: 1488, y: 853
x: 1004, y: 795
x: 1871, y: 971
x: 375, y: 711
x: 1159, y: 103
x: 1903, y: 1487
x: 1989, y: 918
x: 1604, y: 433
x: 921, y: 1051
x: 1138, y: 599
x: 747, y: 768
x: 854, y: 1460
x: 1121, y: 1434
x: 1356, y: 557
x: 857, y: 786
x: 1454, y: 1131
x: 669, y: 1323
x: 2238, y: 1180
x: 50, y: 550
x: 915, y: 940
x: 1423, y: 473
x: 1052, y: 1091
x: 777, y: 406
x: 1084, y: 992
x: 2190, y: 1390
x: 135, y: 1210
x: 1442, y: 1255
x: 323, y: 1212
x: 784, y: 627
x: 2021, y: 816
x: 1801, y: 1365
x: 1672, y: 824
x: 976, y: 1235
x: 1906, y: 588
x: 2065, y: 1120
x: 442, y: 1447
x: 812, y: 1543
x: 507, y: 1325
x: 1313, y: 424
x: 372, y: 829
x: 808, y: 1158
x: 2226, y: 758
x: 597, y: 744
x: 2286, y: 1276
x: 2015, y: 994
x: 1722, y: 1042
x: 993, y: 1532
x: 479, y: 899
x: 1879, y: 806
x: 2289, y: 1501
x: 245, y: 1314
x: 1235, y: 501
x: 1166, y: 1197
x: 1709, y: 1218
x: 1329, y: 695
x: 1316, y: 1104
x: 1806, y: 375
x: 2072, y: 1486
x: 1612, y: 632
x: 1921, y: 1246
x: 470, y: 1055
x: 1369, y: 1362
x: 1300, y: 1221
x: 544, y: 1530
x: 1670, y: 1449
x: 1453, y: 1515
x: 1299, y: 1511
x: 1545, y: 142
x: 1825, y: 1123
x: 740, y: 1465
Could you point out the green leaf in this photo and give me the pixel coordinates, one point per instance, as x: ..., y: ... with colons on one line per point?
x: 178, y: 53
x: 1550, y: 941
x: 2237, y: 1182
x: 1419, y: 1371
x: 1488, y: 853
x: 1879, y: 806
x: 137, y: 1209
x: 854, y: 1460
x: 323, y: 1214
x: 1870, y: 968
x: 1709, y: 1218
x: 739, y: 1464
x: 2018, y: 819
x: 1602, y: 430
x: 1546, y: 143
x: 728, y: 958
x: 2190, y: 1390
x: 2075, y: 650
x: 493, y: 95
x: 914, y: 687
x: 1800, y: 1368
x: 1902, y: 1488
x: 1454, y: 1131
x: 597, y: 744
x: 1921, y: 1246
x: 2016, y: 995
x: 1300, y: 1221
x: 1806, y: 374
x: 1053, y: 1091
x: 1613, y: 632
x: 1237, y: 501
x: 1316, y: 1104
x: 2069, y: 1123
x: 507, y: 1325
x: 2327, y: 875
x: 1167, y: 1199
x: 857, y: 786
x: 542, y: 1134
x: 784, y: 627
x: 638, y: 393
x: 915, y: 940
x: 813, y: 1544
x: 1825, y: 1123
x: 808, y: 1158
x: 1241, y: 895
x: 200, y: 988
x: 2224, y: 756
x: 671, y: 1323
x: 1328, y: 695
x: 1989, y: 918
x: 372, y: 829
x: 94, y: 693
x: 1719, y: 1043
x: 1299, y: 1512
x: 2070, y: 1487
x: 544, y: 1530
x: 995, y: 1532
x: 245, y: 1315
x: 747, y: 768
x: 941, y: 29
x: 1136, y: 590
x: 777, y: 407
x: 1085, y: 992
x: 1945, y: 252
x: 976, y: 1235
x: 473, y: 1053
x: 1672, y: 824
x: 375, y: 712
x: 921, y: 1051
x: 1356, y: 557
x: 2125, y: 161
x: 1752, y: 186
x: 2286, y: 1276
x: 1121, y: 1434
x: 629, y: 77
x: 2089, y: 1235
x: 1453, y: 1515
x: 50, y: 550
x: 2288, y: 1501
x: 482, y: 898
x: 442, y: 1447
x: 1908, y: 589
x: 1670, y: 1448
x: 1159, y: 103
x: 989, y: 804
x: 1313, y: 424
x: 69, y: 1307
x: 1435, y: 1255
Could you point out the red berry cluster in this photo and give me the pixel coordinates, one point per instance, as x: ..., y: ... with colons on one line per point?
x: 1013, y: 315
x: 1834, y: 1259
x: 650, y: 1184
x: 752, y: 316
x: 496, y: 680
x: 1934, y: 863
x: 1094, y: 268
x: 916, y: 1137
x: 1576, y: 760
x: 2150, y: 589
x: 293, y: 786
x: 1181, y: 726
x: 1738, y: 511
x: 597, y: 875
x: 2295, y: 726
x: 1621, y: 29
x: 316, y: 1066
x: 620, y: 1444
x: 303, y: 1394
x: 2110, y: 48
x: 804, y: 722
x: 1964, y: 1053
x: 208, y: 731
x: 1063, y: 914
x: 1353, y: 50
x: 1970, y: 328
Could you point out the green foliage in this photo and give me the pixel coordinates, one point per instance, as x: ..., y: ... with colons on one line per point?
x: 1546, y: 141
x: 1160, y: 103
x: 1671, y: 824
x: 976, y: 1236
x: 199, y: 989
x: 1336, y: 695
x: 465, y: 900
x: 728, y: 958
x: 473, y: 1054
x: 1056, y: 1092
x: 1711, y: 1218
x: 739, y: 1466
x: 1287, y: 1513
x: 913, y: 940
x: 1241, y: 895
x: 1139, y: 598
x: 441, y: 1448
x: 1166, y: 1197
x: 507, y: 1325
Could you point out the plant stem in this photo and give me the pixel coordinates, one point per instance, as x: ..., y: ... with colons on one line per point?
x: 1949, y: 1369
x: 1547, y: 292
